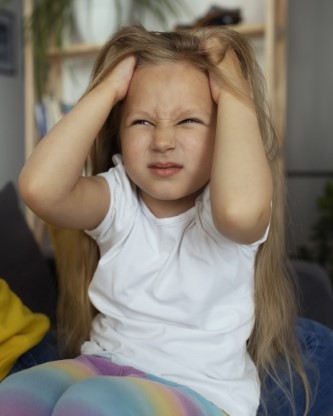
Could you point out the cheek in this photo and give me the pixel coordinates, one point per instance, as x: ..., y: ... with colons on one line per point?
x: 126, y: 152
x: 128, y: 144
x: 130, y: 163
x: 203, y: 154
x: 133, y: 154
x: 203, y: 147
x: 129, y: 157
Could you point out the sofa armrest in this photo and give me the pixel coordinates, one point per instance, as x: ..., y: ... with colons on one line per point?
x: 22, y: 264
x: 315, y: 292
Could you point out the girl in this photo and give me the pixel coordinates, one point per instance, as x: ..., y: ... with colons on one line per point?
x: 192, y: 304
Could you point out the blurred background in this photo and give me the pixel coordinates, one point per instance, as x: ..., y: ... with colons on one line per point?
x: 305, y: 105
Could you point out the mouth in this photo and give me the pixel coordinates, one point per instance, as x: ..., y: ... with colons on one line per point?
x: 164, y: 169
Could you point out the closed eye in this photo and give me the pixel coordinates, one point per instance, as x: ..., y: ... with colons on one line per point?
x: 141, y: 122
x: 190, y: 121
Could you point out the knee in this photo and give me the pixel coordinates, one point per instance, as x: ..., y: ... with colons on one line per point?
x: 20, y: 394
x: 33, y: 391
x: 101, y: 395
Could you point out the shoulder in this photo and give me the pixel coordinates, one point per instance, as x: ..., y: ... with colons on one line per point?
x: 122, y: 189
x: 116, y: 175
x: 123, y: 201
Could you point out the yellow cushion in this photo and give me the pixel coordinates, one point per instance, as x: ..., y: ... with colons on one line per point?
x: 20, y: 329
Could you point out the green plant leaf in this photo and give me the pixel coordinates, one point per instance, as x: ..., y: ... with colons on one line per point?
x: 50, y: 18
x: 3, y: 3
x: 321, y: 236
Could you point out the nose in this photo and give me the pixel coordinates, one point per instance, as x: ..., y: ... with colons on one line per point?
x: 163, y: 139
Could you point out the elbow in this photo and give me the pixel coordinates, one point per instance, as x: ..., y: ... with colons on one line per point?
x: 24, y: 187
x: 244, y: 225
x: 31, y: 190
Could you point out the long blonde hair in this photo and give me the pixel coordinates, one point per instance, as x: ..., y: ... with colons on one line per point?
x: 273, y: 336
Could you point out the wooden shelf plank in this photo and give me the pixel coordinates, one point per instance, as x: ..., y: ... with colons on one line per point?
x: 251, y: 30
x: 74, y: 50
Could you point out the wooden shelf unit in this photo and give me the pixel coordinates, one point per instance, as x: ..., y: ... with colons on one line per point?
x: 272, y: 31
x: 251, y: 30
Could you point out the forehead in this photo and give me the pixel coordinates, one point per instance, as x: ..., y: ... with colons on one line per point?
x: 166, y: 85
x: 163, y: 74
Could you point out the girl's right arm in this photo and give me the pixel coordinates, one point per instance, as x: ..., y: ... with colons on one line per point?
x: 50, y: 182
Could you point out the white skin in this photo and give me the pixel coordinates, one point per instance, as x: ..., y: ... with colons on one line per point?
x: 168, y: 134
x: 162, y: 122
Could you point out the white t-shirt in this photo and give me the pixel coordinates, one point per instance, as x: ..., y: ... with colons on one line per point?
x: 175, y: 298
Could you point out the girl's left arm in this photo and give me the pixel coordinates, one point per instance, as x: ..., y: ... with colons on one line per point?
x: 241, y: 180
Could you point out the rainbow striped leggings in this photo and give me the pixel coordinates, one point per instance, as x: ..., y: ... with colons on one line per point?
x: 93, y: 386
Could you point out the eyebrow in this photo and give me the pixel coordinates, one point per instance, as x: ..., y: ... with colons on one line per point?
x: 187, y: 112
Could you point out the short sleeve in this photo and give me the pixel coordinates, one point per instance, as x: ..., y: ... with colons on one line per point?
x: 123, y: 204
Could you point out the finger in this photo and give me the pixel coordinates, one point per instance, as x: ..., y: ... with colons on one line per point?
x: 120, y: 77
x: 215, y: 50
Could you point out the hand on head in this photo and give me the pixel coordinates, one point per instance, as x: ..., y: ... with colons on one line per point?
x: 227, y: 61
x: 120, y: 77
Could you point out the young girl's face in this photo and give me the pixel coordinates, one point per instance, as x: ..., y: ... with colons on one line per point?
x: 167, y: 135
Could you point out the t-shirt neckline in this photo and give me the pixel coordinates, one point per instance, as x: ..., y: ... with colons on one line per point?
x: 184, y: 216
